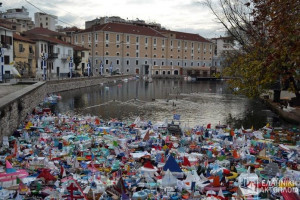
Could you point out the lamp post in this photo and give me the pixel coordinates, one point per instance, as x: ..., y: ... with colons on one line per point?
x: 2, y: 62
x: 44, y: 65
x: 101, y: 68
x: 89, y: 67
x: 71, y: 66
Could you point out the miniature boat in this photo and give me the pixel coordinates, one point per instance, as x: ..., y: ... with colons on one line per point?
x: 215, y: 186
x: 9, y: 178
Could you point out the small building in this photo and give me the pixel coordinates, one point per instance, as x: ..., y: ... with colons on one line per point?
x: 166, y: 71
x: 7, y: 51
x: 223, y: 45
x: 56, y: 51
x: 20, y: 18
x: 24, y: 56
x: 197, y: 72
x: 44, y: 20
x: 83, y: 54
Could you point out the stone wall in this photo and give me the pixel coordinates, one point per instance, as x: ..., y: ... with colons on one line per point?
x: 15, y: 107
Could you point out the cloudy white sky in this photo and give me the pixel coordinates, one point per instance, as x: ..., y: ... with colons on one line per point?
x: 179, y: 15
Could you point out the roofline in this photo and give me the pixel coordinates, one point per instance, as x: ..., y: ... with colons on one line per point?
x: 105, y: 25
x: 6, y: 28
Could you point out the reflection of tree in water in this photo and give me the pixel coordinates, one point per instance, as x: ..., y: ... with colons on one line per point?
x: 249, y: 120
x: 256, y: 118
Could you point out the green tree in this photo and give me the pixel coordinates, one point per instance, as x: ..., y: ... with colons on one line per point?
x: 76, y: 59
x: 268, y: 33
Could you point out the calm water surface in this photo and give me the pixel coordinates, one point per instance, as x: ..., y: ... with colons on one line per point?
x: 198, y: 103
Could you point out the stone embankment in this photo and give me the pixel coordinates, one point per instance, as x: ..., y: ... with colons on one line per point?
x: 14, y: 107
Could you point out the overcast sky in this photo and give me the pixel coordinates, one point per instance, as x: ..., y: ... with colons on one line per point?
x: 179, y: 15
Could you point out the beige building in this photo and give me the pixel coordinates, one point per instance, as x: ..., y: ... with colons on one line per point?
x: 134, y: 49
x: 20, y: 19
x: 44, y: 20
x: 24, y: 56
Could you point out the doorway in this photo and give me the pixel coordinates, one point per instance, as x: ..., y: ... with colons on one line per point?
x: 57, y: 71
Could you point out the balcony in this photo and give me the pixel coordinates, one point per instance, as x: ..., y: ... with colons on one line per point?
x: 52, y: 55
x: 64, y: 57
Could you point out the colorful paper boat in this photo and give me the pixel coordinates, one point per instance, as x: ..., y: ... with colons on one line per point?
x: 9, y: 178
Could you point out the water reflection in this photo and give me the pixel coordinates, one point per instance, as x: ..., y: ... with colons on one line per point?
x: 197, y: 102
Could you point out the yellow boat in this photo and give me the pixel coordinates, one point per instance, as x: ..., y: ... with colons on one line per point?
x: 233, y: 176
x: 81, y: 158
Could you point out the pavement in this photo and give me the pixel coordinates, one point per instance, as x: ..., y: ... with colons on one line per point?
x: 290, y: 114
x: 8, y: 88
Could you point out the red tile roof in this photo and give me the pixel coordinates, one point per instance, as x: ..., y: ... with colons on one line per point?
x: 42, y: 31
x: 5, y: 21
x: 5, y: 25
x: 48, y: 39
x: 70, y: 29
x: 21, y: 38
x: 186, y: 36
x: 125, y: 28
x: 79, y: 48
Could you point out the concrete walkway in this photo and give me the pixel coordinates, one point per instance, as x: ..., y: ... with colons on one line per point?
x: 290, y: 114
x: 7, y: 88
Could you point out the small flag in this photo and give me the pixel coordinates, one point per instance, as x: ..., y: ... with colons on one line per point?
x: 111, y: 67
x: 62, y: 171
x: 208, y: 126
x: 193, y: 187
x: 115, y: 143
x: 176, y: 117
x: 206, y: 163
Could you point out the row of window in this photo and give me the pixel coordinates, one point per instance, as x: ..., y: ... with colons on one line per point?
x: 22, y: 49
x: 154, y: 48
x: 146, y: 62
x: 137, y: 41
x: 154, y: 56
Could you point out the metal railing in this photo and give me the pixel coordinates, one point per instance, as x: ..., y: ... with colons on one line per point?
x: 52, y: 55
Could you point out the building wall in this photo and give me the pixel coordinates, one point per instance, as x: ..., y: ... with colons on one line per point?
x: 61, y: 64
x: 20, y: 16
x: 128, y: 56
x: 8, y: 51
x: 47, y: 21
x: 41, y: 47
x: 24, y: 59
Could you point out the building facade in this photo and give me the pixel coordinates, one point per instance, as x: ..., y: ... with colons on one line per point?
x: 20, y: 18
x: 57, y: 54
x: 45, y: 21
x: 7, y: 50
x: 222, y: 45
x: 83, y: 54
x: 24, y: 56
x: 132, y: 49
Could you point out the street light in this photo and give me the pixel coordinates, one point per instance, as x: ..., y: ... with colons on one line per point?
x: 44, y: 58
x: 2, y: 62
x: 89, y: 67
x: 71, y: 66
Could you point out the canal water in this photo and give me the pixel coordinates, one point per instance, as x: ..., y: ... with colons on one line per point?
x: 197, y: 103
